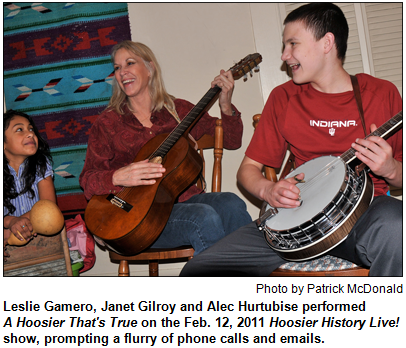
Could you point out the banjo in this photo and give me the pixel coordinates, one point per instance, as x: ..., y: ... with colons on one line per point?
x: 333, y: 197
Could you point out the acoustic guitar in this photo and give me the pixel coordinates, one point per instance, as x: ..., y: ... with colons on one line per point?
x: 131, y: 220
x: 334, y: 195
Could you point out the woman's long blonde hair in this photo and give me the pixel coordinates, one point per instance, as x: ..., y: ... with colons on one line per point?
x: 157, y: 91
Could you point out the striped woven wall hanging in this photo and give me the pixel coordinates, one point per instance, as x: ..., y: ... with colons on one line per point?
x: 57, y: 69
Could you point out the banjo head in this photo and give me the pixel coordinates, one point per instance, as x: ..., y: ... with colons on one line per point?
x: 324, y: 178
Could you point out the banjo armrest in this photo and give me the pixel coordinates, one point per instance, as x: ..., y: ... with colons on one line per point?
x: 289, y: 165
x: 270, y: 173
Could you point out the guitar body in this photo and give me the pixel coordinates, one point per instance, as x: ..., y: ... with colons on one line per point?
x: 130, y: 232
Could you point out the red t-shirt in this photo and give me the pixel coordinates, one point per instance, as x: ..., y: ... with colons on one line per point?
x: 319, y: 124
x: 115, y: 140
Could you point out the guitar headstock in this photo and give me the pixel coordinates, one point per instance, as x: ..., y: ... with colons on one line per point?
x: 246, y: 65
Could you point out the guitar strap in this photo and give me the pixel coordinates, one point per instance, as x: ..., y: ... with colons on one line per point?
x: 176, y: 117
x: 172, y: 112
x: 355, y: 86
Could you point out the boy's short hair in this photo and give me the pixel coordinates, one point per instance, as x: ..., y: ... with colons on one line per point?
x: 322, y: 18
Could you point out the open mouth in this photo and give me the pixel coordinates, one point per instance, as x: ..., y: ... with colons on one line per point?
x: 294, y: 67
x: 125, y: 82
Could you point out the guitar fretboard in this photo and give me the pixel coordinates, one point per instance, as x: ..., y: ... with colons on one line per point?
x: 195, y: 113
x: 385, y: 131
x: 238, y: 70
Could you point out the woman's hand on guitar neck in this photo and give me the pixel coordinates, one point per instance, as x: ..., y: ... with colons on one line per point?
x: 138, y: 173
x: 285, y: 193
x: 226, y: 82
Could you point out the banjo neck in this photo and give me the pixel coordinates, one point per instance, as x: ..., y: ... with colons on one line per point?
x: 385, y: 131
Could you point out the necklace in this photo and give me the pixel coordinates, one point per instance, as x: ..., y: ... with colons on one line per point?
x: 145, y: 118
x: 135, y: 112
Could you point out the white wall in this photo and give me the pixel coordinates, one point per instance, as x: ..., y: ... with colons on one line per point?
x: 192, y: 43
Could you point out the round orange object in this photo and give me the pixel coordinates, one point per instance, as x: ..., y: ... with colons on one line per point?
x: 13, y: 240
x: 46, y: 218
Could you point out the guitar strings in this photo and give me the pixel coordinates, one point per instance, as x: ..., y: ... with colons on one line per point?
x: 173, y: 136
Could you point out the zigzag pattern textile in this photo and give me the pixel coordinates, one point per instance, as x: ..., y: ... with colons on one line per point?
x: 57, y: 69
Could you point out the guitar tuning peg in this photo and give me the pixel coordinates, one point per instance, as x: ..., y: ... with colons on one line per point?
x: 251, y: 73
x: 256, y: 69
x: 245, y: 77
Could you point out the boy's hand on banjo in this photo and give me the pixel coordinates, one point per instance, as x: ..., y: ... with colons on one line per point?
x: 285, y: 193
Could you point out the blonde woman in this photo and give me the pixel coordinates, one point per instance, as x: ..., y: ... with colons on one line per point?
x: 140, y: 109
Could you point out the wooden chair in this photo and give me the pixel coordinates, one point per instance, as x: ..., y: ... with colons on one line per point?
x: 154, y: 255
x: 325, y: 266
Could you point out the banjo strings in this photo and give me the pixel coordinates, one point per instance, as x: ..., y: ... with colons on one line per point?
x: 325, y: 171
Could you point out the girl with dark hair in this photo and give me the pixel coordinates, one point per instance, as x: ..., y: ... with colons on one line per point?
x: 27, y: 173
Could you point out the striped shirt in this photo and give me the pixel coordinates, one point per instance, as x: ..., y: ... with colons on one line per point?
x: 24, y: 203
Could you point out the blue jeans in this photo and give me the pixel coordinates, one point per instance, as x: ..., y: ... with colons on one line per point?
x: 203, y: 220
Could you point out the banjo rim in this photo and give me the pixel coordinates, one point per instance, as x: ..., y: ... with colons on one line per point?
x: 289, y: 253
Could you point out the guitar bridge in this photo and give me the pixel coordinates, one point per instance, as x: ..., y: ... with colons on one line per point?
x: 118, y: 202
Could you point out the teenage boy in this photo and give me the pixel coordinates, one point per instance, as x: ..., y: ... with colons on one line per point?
x: 315, y: 42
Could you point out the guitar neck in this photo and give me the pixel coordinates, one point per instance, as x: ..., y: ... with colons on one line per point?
x: 243, y: 67
x: 202, y: 106
x: 385, y: 131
